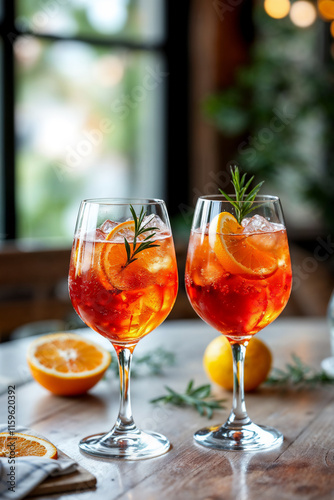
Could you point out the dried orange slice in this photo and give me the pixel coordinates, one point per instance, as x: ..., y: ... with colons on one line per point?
x: 234, y: 250
x: 114, y: 273
x: 66, y: 363
x: 23, y: 445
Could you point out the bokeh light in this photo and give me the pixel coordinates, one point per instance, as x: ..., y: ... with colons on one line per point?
x: 277, y: 8
x: 326, y: 9
x: 107, y: 16
x: 303, y: 13
x: 109, y: 70
x: 27, y: 50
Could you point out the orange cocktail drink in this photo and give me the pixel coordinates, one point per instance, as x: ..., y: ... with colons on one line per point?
x: 123, y: 283
x: 238, y: 277
x: 122, y: 302
x: 238, y: 280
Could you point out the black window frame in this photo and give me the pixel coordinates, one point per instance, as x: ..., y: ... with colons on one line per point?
x: 175, y: 52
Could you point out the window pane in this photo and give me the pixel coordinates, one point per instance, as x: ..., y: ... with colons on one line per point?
x: 137, y: 20
x: 89, y: 124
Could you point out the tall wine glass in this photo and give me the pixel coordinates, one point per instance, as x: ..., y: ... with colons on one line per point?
x: 123, y: 284
x: 238, y: 280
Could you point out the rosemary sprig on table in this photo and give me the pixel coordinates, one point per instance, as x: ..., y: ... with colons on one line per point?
x: 243, y: 202
x: 299, y: 374
x: 140, y: 228
x: 152, y: 363
x: 199, y: 398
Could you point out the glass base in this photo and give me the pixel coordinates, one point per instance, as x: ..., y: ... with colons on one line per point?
x: 130, y: 445
x: 246, y: 437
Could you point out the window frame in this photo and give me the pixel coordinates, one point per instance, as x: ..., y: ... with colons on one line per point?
x: 174, y: 50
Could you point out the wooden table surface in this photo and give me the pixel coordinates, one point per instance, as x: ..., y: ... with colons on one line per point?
x: 302, y: 468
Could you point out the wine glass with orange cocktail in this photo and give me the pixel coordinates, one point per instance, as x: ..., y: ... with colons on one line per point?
x: 238, y: 280
x: 123, y: 284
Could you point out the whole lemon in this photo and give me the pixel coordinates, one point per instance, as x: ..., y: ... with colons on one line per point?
x: 218, y: 363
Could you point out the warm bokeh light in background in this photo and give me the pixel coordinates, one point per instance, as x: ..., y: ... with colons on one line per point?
x: 326, y: 9
x: 277, y: 9
x: 303, y: 13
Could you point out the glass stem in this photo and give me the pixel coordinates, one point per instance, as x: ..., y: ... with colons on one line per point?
x: 238, y: 415
x: 124, y: 422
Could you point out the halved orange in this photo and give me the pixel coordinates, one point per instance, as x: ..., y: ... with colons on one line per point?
x: 23, y: 445
x: 66, y: 363
x: 234, y: 250
x: 114, y: 272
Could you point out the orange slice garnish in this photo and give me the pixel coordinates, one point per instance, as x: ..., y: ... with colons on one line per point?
x: 66, y: 363
x: 234, y: 250
x: 114, y: 273
x: 122, y: 230
x: 23, y: 445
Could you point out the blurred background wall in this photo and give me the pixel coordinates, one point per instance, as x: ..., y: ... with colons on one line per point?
x: 154, y: 98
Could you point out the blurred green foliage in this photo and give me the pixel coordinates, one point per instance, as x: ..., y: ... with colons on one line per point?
x: 281, y: 107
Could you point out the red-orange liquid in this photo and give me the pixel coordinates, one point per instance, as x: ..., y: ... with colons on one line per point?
x: 238, y: 303
x: 122, y: 303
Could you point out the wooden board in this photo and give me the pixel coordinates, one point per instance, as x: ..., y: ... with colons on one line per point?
x: 76, y: 481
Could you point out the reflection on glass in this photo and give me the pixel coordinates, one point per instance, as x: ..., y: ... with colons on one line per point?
x: 134, y: 19
x: 88, y: 124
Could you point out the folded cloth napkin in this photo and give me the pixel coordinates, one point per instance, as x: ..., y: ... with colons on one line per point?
x: 19, y: 479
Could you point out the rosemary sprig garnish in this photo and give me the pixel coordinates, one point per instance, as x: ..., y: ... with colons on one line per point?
x: 243, y: 202
x: 299, y: 374
x: 140, y: 228
x: 152, y: 363
x: 199, y: 398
